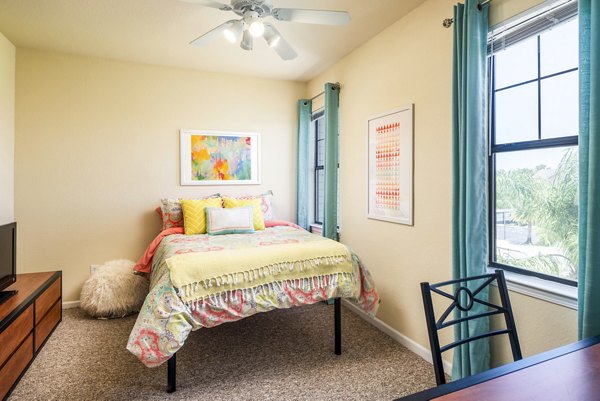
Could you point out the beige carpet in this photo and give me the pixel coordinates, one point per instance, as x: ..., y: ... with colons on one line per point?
x: 280, y: 355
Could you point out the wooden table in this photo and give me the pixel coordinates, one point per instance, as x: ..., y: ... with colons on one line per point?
x: 568, y: 373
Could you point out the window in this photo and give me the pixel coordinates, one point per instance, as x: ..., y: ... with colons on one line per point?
x: 533, y: 158
x: 318, y: 133
x: 319, y: 172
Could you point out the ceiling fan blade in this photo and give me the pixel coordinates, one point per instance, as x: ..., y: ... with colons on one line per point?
x: 211, y: 35
x: 322, y: 17
x: 281, y: 46
x: 211, y: 4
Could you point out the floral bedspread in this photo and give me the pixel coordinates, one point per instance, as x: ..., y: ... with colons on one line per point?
x: 165, y: 321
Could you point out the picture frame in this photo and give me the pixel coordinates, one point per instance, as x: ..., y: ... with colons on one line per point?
x: 390, y: 166
x: 219, y: 157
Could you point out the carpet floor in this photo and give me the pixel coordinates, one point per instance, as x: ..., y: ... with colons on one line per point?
x: 280, y: 355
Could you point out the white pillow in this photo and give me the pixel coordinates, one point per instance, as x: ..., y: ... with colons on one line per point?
x: 236, y: 220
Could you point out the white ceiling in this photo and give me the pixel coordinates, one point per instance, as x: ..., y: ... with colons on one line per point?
x: 159, y: 32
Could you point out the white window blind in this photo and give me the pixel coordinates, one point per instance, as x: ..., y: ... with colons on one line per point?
x: 509, y: 35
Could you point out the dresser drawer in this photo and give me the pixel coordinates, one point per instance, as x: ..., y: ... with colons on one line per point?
x: 15, y: 366
x: 46, y: 300
x: 15, y: 333
x: 43, y: 328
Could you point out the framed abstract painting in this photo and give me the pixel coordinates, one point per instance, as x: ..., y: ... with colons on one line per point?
x: 390, y: 166
x: 219, y: 158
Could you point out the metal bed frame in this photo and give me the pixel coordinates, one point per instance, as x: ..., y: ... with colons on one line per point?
x: 337, y: 335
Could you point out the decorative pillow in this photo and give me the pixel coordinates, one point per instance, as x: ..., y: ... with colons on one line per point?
x: 266, y: 203
x: 194, y: 214
x: 171, y: 214
x: 259, y: 222
x: 237, y: 220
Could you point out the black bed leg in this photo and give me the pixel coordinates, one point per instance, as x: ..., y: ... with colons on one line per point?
x: 171, y: 377
x: 337, y: 325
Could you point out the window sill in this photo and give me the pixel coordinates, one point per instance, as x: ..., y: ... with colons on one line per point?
x: 560, y: 294
x: 316, y: 228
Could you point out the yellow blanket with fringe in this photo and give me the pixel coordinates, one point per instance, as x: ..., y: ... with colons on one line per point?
x: 200, y: 275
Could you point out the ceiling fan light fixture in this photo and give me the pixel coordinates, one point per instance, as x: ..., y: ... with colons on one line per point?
x: 255, y: 25
x: 251, y: 25
x: 233, y: 31
x: 257, y: 29
x: 247, y: 41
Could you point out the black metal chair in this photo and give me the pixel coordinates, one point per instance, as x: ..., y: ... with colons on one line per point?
x: 464, y: 299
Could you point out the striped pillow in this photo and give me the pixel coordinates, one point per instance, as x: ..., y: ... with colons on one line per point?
x: 237, y: 220
x: 194, y: 214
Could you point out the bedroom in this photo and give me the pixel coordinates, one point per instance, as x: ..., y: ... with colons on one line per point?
x: 95, y: 133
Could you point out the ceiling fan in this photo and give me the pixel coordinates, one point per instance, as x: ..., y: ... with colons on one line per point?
x: 250, y: 25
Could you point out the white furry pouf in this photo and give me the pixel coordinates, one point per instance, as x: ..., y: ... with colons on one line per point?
x: 114, y: 290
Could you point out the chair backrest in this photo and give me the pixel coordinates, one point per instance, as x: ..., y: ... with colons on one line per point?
x: 464, y: 299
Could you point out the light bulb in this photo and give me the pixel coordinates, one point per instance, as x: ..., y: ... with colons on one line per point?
x: 256, y: 28
x: 233, y: 31
x: 229, y: 36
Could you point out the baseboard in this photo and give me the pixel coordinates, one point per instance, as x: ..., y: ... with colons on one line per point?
x: 412, y: 345
x: 70, y: 304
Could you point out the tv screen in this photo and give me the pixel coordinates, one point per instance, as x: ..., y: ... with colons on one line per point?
x: 8, y: 238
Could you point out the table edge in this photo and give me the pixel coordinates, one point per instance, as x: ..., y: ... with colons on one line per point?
x: 8, y: 319
x: 500, y: 371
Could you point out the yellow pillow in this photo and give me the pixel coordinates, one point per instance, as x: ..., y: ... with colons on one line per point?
x: 194, y: 214
x: 259, y: 222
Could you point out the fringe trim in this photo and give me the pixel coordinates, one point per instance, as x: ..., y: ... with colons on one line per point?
x: 249, y: 276
x: 249, y: 294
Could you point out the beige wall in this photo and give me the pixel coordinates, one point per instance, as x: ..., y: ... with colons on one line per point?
x: 541, y: 326
x: 97, y: 145
x: 7, y: 130
x: 411, y: 62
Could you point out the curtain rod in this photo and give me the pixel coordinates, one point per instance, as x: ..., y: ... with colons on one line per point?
x: 447, y: 23
x: 322, y: 93
x: 317, y: 95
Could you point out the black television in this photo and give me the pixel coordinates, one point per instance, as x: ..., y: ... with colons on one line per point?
x: 8, y: 259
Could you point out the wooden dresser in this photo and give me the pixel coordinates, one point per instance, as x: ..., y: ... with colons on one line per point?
x: 26, y: 321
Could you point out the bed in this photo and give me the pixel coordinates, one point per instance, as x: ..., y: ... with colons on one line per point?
x: 201, y: 281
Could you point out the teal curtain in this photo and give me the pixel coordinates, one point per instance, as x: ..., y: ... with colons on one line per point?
x: 302, y: 185
x: 469, y: 188
x: 589, y: 168
x: 331, y: 118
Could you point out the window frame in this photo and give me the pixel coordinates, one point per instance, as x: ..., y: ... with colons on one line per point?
x: 494, y: 149
x: 316, y: 119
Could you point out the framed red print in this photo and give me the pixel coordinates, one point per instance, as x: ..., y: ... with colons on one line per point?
x: 390, y: 166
